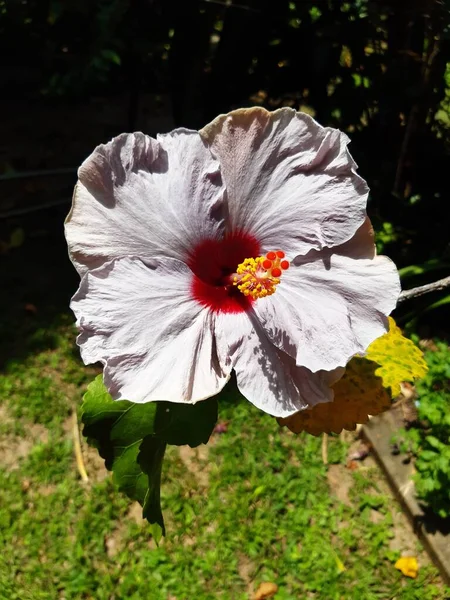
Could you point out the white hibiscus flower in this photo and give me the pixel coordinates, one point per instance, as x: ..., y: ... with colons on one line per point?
x: 243, y: 246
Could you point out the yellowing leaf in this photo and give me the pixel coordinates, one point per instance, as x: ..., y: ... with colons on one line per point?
x: 362, y: 391
x: 357, y: 395
x: 399, y: 358
x: 408, y: 565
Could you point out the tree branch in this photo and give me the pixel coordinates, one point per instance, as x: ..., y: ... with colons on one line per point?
x: 424, y: 289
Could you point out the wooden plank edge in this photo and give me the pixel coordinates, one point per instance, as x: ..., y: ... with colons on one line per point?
x: 436, y: 544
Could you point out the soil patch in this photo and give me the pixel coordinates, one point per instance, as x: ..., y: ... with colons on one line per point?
x: 14, y: 448
x: 340, y: 481
x: 196, y: 462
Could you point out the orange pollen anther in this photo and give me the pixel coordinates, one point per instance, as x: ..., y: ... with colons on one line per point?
x: 258, y: 277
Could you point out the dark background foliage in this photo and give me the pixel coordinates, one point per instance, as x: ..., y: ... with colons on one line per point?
x: 76, y: 72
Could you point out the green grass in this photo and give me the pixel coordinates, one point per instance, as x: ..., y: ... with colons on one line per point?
x: 255, y: 505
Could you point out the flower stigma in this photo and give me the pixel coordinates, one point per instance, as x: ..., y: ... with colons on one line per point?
x: 259, y: 277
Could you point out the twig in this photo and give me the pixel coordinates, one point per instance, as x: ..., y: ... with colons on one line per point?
x: 77, y: 448
x: 424, y: 289
x: 325, y: 448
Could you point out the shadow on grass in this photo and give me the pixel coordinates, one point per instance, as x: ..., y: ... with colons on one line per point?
x: 431, y: 522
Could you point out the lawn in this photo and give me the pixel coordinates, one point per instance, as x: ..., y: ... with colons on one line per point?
x: 257, y: 504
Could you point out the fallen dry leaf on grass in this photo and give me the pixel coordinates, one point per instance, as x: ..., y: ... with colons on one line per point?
x: 265, y: 590
x: 408, y: 565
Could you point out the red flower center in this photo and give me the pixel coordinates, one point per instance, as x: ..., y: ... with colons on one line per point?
x: 212, y: 262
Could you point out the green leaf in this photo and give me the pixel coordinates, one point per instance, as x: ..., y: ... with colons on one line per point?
x: 442, y: 302
x: 427, y: 455
x: 111, y: 425
x: 181, y: 424
x: 433, y: 441
x: 132, y: 439
x: 150, y: 460
x: 117, y: 430
x: 111, y: 56
x: 434, y: 264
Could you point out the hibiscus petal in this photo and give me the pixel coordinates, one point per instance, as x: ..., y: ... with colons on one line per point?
x: 329, y: 307
x: 155, y: 341
x: 266, y: 376
x: 361, y: 245
x: 138, y: 196
x: 290, y: 182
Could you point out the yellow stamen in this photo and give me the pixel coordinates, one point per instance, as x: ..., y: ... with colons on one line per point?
x: 258, y: 277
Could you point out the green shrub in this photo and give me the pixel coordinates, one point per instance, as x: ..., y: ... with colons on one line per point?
x: 430, y: 443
